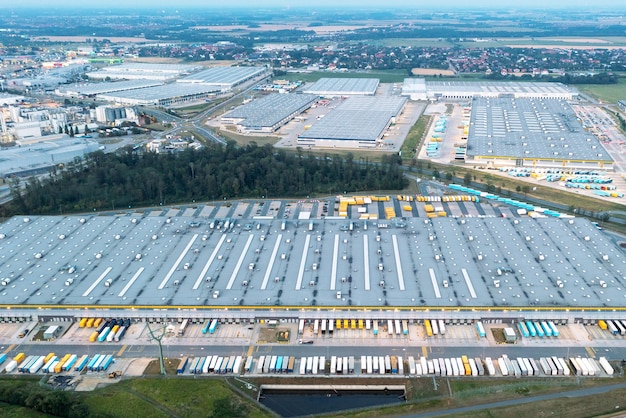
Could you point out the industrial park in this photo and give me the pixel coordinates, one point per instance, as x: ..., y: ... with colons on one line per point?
x: 193, y: 256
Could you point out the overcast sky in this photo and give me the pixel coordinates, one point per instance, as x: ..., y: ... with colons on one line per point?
x: 597, y: 4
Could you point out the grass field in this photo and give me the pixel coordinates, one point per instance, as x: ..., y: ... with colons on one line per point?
x: 609, y: 93
x: 414, y: 138
x: 154, y: 397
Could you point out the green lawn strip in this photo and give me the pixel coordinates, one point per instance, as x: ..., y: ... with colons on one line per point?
x: 162, y: 397
x: 415, y: 137
x: 580, y: 407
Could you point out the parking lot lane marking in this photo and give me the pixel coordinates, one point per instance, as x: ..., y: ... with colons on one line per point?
x: 591, y: 352
x: 9, y: 349
x: 119, y: 353
x: 424, y: 351
x: 250, y: 350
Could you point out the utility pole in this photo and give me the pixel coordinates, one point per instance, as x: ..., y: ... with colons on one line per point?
x: 158, y: 339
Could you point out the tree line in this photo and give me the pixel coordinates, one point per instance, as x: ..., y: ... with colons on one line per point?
x: 131, y: 179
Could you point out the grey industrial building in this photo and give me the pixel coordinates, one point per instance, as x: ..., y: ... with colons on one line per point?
x: 93, y: 89
x: 342, y: 87
x: 142, y: 71
x: 269, y: 113
x: 458, y: 267
x: 531, y: 133
x: 40, y: 156
x: 358, y: 122
x: 165, y: 95
x: 224, y: 78
x: 421, y: 89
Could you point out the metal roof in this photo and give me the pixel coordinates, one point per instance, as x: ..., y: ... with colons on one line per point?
x: 172, y: 257
x: 270, y: 110
x: 530, y: 128
x: 343, y: 86
x: 357, y: 119
x: 163, y: 92
x: 89, y: 89
x: 223, y: 76
x: 488, y: 88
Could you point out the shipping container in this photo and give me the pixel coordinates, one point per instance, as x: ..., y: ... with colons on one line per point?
x: 302, y: 365
x: 479, y: 366
x: 381, y: 365
x: 205, y: 326
x: 578, y: 371
x: 323, y: 326
x: 620, y: 327
x: 316, y: 365
x: 213, y: 326
x: 435, y: 327
x: 215, y: 359
x: 442, y: 327
x: 473, y: 368
x: 36, y: 365
x: 481, y: 329
x: 330, y: 326
x: 291, y: 364
x: 94, y: 368
x: 103, y: 334
x: 259, y: 365
x: 602, y: 324
x: 19, y: 357
x: 411, y: 363
x: 428, y: 327
x: 437, y: 366
x: 333, y: 364
x: 491, y: 370
x: 49, y: 363
x: 522, y: 366
x: 539, y: 329
x: 237, y: 365
x: 608, y: 369
x: 12, y: 365
x: 375, y: 326
x: 523, y: 329
x: 90, y: 323
x: 93, y: 361
x: 528, y: 366
x: 182, y: 364
x: 546, y: 329
x: 565, y: 367
x: 612, y: 328
x: 398, y: 327
x: 454, y: 365
x: 82, y: 323
x: 104, y: 365
x: 531, y: 329
x: 555, y: 331
x: 70, y: 363
x: 502, y: 365
x: 370, y: 365
x: 45, y: 360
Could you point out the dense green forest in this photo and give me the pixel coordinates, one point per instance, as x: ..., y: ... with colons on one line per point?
x: 131, y: 179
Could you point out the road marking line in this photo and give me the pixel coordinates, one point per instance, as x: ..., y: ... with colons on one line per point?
x: 591, y: 352
x: 119, y: 353
x: 250, y: 350
x: 424, y: 351
x: 11, y: 347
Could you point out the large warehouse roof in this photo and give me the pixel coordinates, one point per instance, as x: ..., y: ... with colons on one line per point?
x: 135, y: 71
x: 529, y: 129
x: 158, y: 94
x: 420, y: 89
x: 357, y: 119
x: 90, y: 89
x: 141, y: 260
x: 224, y: 77
x: 271, y: 110
x: 333, y: 87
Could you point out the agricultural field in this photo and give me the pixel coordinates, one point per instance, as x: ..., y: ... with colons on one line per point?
x: 607, y: 93
x: 385, y: 76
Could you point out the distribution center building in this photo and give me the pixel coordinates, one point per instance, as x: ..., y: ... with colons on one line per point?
x: 420, y: 89
x: 211, y: 261
x: 358, y: 122
x: 269, y: 113
x: 224, y: 78
x: 531, y: 133
x: 343, y: 87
